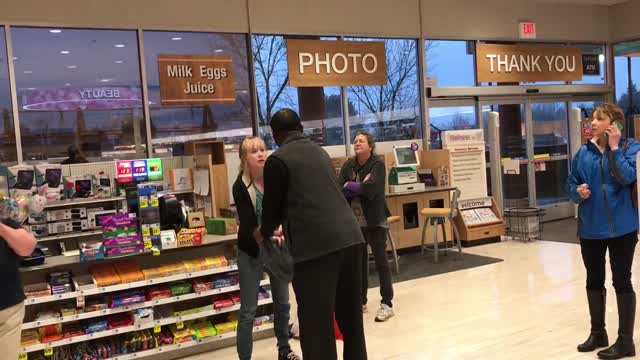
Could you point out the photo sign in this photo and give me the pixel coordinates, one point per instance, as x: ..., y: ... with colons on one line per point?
x: 336, y: 63
x: 524, y: 63
x: 196, y: 80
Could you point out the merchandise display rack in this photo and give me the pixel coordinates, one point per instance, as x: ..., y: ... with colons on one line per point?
x: 165, y: 309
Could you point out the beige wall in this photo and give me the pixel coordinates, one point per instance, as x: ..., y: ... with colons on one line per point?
x: 498, y: 19
x: 624, y: 21
x: 203, y: 15
x: 459, y: 19
x: 395, y: 18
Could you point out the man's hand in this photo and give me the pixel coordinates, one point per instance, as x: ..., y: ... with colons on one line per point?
x: 583, y: 191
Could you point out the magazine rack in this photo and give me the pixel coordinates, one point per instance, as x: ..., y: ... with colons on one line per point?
x: 476, y: 224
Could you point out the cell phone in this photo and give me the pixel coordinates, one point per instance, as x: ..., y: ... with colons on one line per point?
x: 618, y: 124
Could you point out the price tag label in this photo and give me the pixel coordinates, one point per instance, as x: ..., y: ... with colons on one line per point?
x: 146, y: 231
x: 155, y: 202
x: 180, y: 325
x: 48, y: 351
x: 147, y: 244
x: 144, y: 202
x: 157, y: 329
x: 23, y: 356
x: 80, y: 301
x: 156, y: 231
x: 156, y: 252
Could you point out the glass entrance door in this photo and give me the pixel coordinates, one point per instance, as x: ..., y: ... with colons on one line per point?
x: 512, y: 147
x: 550, y: 151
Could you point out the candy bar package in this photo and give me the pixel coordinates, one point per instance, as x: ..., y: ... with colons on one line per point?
x: 122, y: 240
x: 125, y: 250
x: 127, y: 298
x: 161, y: 292
x: 225, y: 328
x: 119, y: 225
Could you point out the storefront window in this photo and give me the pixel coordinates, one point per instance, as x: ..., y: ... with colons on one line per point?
x: 320, y: 108
x: 390, y: 112
x: 172, y: 126
x: 594, y: 49
x: 81, y: 88
x: 7, y: 133
x: 627, y: 75
x: 450, y: 63
x: 450, y: 118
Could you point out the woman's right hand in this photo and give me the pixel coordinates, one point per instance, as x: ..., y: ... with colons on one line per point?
x: 583, y: 191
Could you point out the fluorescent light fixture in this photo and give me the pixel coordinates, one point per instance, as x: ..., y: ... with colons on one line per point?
x: 28, y: 72
x: 119, y: 45
x: 118, y: 61
x: 219, y: 50
x: 71, y: 67
x: 64, y: 52
x: 55, y: 31
x: 105, y: 80
x: 67, y: 84
x: 176, y: 38
x: 31, y: 89
x: 15, y: 58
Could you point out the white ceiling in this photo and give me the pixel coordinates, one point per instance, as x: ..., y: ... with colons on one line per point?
x: 585, y: 2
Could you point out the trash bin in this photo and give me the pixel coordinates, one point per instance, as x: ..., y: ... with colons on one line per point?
x: 524, y: 223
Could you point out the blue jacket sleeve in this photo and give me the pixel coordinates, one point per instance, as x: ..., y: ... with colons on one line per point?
x: 574, y: 180
x: 626, y: 161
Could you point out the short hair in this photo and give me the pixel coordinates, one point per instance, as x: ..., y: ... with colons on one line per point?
x: 614, y: 112
x: 285, y: 120
x: 370, y: 140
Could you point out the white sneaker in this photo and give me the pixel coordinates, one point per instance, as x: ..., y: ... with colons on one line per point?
x: 384, y: 313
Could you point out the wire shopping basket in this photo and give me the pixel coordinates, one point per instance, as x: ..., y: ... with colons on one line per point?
x: 524, y: 223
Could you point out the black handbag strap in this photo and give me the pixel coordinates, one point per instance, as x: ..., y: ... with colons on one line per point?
x: 614, y: 167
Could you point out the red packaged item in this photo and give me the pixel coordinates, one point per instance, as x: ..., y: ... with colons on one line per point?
x: 235, y: 297
x: 202, y: 286
x: 159, y: 293
x: 120, y: 320
x: 72, y: 330
x: 221, y: 302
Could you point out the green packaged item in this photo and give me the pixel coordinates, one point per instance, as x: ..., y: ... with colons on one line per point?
x: 180, y: 288
x: 221, y: 226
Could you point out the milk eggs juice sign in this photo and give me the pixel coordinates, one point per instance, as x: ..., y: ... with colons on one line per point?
x: 528, y: 63
x: 196, y: 79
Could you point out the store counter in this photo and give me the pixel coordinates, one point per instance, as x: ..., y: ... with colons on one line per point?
x: 408, y: 232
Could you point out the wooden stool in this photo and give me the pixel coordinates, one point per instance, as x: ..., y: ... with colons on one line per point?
x: 438, y: 216
x: 393, y: 220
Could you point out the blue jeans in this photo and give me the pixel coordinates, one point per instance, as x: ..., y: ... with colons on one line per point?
x: 250, y: 271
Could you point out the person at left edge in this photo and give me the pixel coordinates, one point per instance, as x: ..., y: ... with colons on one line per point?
x: 248, y: 192
x: 15, y: 242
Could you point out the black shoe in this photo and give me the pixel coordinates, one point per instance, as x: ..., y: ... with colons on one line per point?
x: 288, y: 354
x: 598, y: 337
x: 624, y: 346
x: 595, y: 340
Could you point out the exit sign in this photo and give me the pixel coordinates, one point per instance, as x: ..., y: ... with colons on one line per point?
x: 527, y: 30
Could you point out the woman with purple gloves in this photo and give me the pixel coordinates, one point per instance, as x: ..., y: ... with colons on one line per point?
x: 364, y: 180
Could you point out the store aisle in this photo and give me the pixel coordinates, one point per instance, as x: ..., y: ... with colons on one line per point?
x: 530, y: 306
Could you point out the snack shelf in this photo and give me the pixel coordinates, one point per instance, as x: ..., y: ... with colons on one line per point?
x: 174, y: 347
x: 143, y: 326
x: 127, y: 286
x: 62, y: 260
x: 151, y: 303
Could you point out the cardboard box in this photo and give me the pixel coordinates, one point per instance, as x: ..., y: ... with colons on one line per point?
x: 195, y: 219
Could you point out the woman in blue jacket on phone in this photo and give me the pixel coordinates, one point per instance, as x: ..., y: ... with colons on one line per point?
x: 603, y: 175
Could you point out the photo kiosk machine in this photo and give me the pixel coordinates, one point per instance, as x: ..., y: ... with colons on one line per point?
x: 403, y: 177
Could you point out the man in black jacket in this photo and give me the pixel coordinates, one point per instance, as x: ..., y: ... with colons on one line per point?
x: 302, y: 193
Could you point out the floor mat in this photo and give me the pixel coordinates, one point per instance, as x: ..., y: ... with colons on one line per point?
x: 415, y: 266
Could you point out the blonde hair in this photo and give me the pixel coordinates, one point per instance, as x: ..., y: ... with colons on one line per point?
x: 248, y: 146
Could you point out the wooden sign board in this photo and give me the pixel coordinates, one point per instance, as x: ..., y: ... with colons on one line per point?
x: 524, y: 63
x: 187, y: 80
x: 336, y: 63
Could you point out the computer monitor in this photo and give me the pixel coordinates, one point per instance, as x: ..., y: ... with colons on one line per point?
x: 405, y: 156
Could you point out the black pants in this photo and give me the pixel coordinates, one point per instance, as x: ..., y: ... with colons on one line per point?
x: 331, y: 283
x: 621, y: 251
x: 376, y: 237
